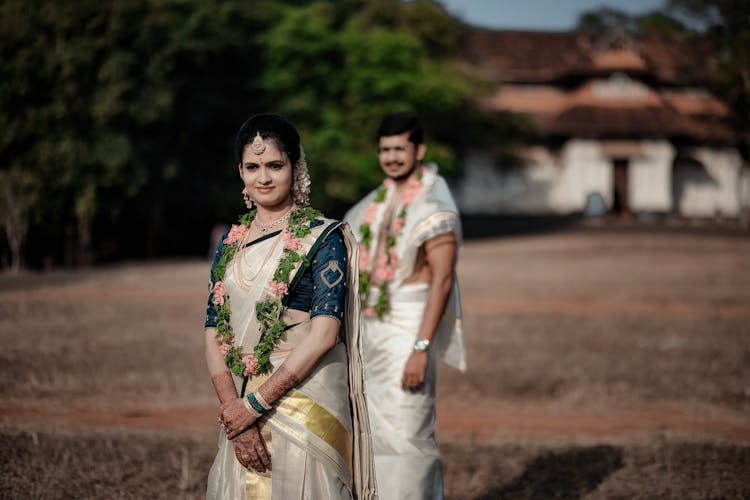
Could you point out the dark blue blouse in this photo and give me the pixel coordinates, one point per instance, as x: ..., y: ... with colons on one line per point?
x: 321, y: 289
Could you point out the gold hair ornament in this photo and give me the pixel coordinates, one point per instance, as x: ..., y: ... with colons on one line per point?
x: 258, y: 146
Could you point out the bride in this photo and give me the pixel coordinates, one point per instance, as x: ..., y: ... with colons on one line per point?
x: 282, y: 337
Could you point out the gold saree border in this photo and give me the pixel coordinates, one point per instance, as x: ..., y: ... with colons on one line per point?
x: 432, y: 219
x: 257, y: 487
x: 304, y: 420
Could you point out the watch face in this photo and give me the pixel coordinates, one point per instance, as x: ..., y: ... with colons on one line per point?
x: 421, y: 345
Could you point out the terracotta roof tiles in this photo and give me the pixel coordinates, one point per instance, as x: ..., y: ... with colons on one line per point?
x: 610, y: 85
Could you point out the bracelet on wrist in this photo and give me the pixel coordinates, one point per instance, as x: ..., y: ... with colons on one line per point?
x: 252, y: 399
x: 250, y: 408
x: 260, y: 399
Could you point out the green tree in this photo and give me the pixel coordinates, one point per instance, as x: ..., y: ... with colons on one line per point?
x: 102, y: 104
x: 336, y: 73
x: 727, y: 22
x: 652, y: 22
x: 121, y: 114
x: 18, y: 194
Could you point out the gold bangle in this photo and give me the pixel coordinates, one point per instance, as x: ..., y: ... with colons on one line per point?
x: 260, y: 399
x: 255, y: 413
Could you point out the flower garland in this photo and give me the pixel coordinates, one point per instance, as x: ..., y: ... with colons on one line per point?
x: 387, y: 259
x: 270, y: 312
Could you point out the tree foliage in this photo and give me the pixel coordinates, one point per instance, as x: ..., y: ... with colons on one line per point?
x: 728, y: 23
x: 106, y: 105
x: 121, y: 114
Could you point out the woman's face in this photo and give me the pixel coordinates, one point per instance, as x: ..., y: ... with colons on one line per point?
x: 267, y: 176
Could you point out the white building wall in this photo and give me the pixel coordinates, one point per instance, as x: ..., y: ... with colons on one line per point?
x: 561, y: 183
x: 547, y: 183
x: 584, y: 171
x: 719, y: 194
x: 650, y: 178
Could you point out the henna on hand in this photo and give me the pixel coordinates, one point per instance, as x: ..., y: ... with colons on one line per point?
x: 282, y: 381
x: 237, y: 417
x: 250, y: 449
x: 224, y: 386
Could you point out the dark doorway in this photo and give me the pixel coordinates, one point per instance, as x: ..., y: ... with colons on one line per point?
x: 620, y: 205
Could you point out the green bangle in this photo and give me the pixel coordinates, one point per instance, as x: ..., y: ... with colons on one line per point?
x: 255, y: 404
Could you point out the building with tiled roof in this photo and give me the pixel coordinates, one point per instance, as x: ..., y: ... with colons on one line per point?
x: 626, y: 120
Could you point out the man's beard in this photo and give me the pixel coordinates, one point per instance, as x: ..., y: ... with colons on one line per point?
x: 405, y: 176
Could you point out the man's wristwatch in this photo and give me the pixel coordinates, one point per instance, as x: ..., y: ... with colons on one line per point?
x: 421, y: 345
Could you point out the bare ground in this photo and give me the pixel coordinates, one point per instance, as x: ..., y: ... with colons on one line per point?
x: 603, y: 364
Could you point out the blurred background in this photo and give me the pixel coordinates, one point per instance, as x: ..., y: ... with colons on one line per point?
x: 118, y: 117
x: 598, y: 152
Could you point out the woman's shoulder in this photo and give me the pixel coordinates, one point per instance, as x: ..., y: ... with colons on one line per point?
x: 327, y: 232
x: 323, y: 223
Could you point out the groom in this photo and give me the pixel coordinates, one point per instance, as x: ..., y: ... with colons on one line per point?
x: 409, y: 232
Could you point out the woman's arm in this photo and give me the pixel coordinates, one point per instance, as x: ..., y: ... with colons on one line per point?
x: 324, y: 331
x: 220, y: 374
x: 249, y: 446
x: 300, y: 362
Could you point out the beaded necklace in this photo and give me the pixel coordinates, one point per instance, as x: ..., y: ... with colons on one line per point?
x: 270, y: 311
x: 386, y: 259
x: 263, y: 228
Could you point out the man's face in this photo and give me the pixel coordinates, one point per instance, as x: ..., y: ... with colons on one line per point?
x: 398, y: 156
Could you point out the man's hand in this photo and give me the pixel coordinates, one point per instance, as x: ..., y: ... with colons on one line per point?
x: 251, y: 451
x: 414, y: 371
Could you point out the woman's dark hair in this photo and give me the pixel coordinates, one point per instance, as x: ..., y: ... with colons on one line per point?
x: 270, y: 126
x: 399, y: 123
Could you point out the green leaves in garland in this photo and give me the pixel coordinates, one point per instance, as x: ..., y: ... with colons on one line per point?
x: 269, y: 312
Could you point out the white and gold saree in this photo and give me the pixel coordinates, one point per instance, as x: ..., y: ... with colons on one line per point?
x: 318, y: 434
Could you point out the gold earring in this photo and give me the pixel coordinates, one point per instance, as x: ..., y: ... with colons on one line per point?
x: 246, y: 198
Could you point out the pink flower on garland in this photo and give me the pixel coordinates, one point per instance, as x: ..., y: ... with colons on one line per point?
x: 224, y: 348
x: 411, y: 192
x: 385, y: 273
x: 278, y: 287
x: 369, y: 312
x: 397, y: 224
x: 364, y: 257
x: 388, y: 182
x: 370, y: 215
x: 235, y: 234
x: 218, y: 292
x: 251, y: 365
x: 382, y: 259
x: 291, y: 242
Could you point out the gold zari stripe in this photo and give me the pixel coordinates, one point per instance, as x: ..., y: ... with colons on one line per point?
x: 257, y: 487
x: 319, y: 421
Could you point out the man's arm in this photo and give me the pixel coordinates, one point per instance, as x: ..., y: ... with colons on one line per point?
x: 440, y: 253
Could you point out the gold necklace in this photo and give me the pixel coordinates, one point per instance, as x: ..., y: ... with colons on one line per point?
x: 265, y: 227
x: 238, y: 272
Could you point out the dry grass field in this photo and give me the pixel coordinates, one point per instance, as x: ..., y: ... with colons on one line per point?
x: 604, y: 363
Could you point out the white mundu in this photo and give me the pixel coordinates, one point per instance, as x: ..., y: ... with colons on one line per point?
x: 407, y: 459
